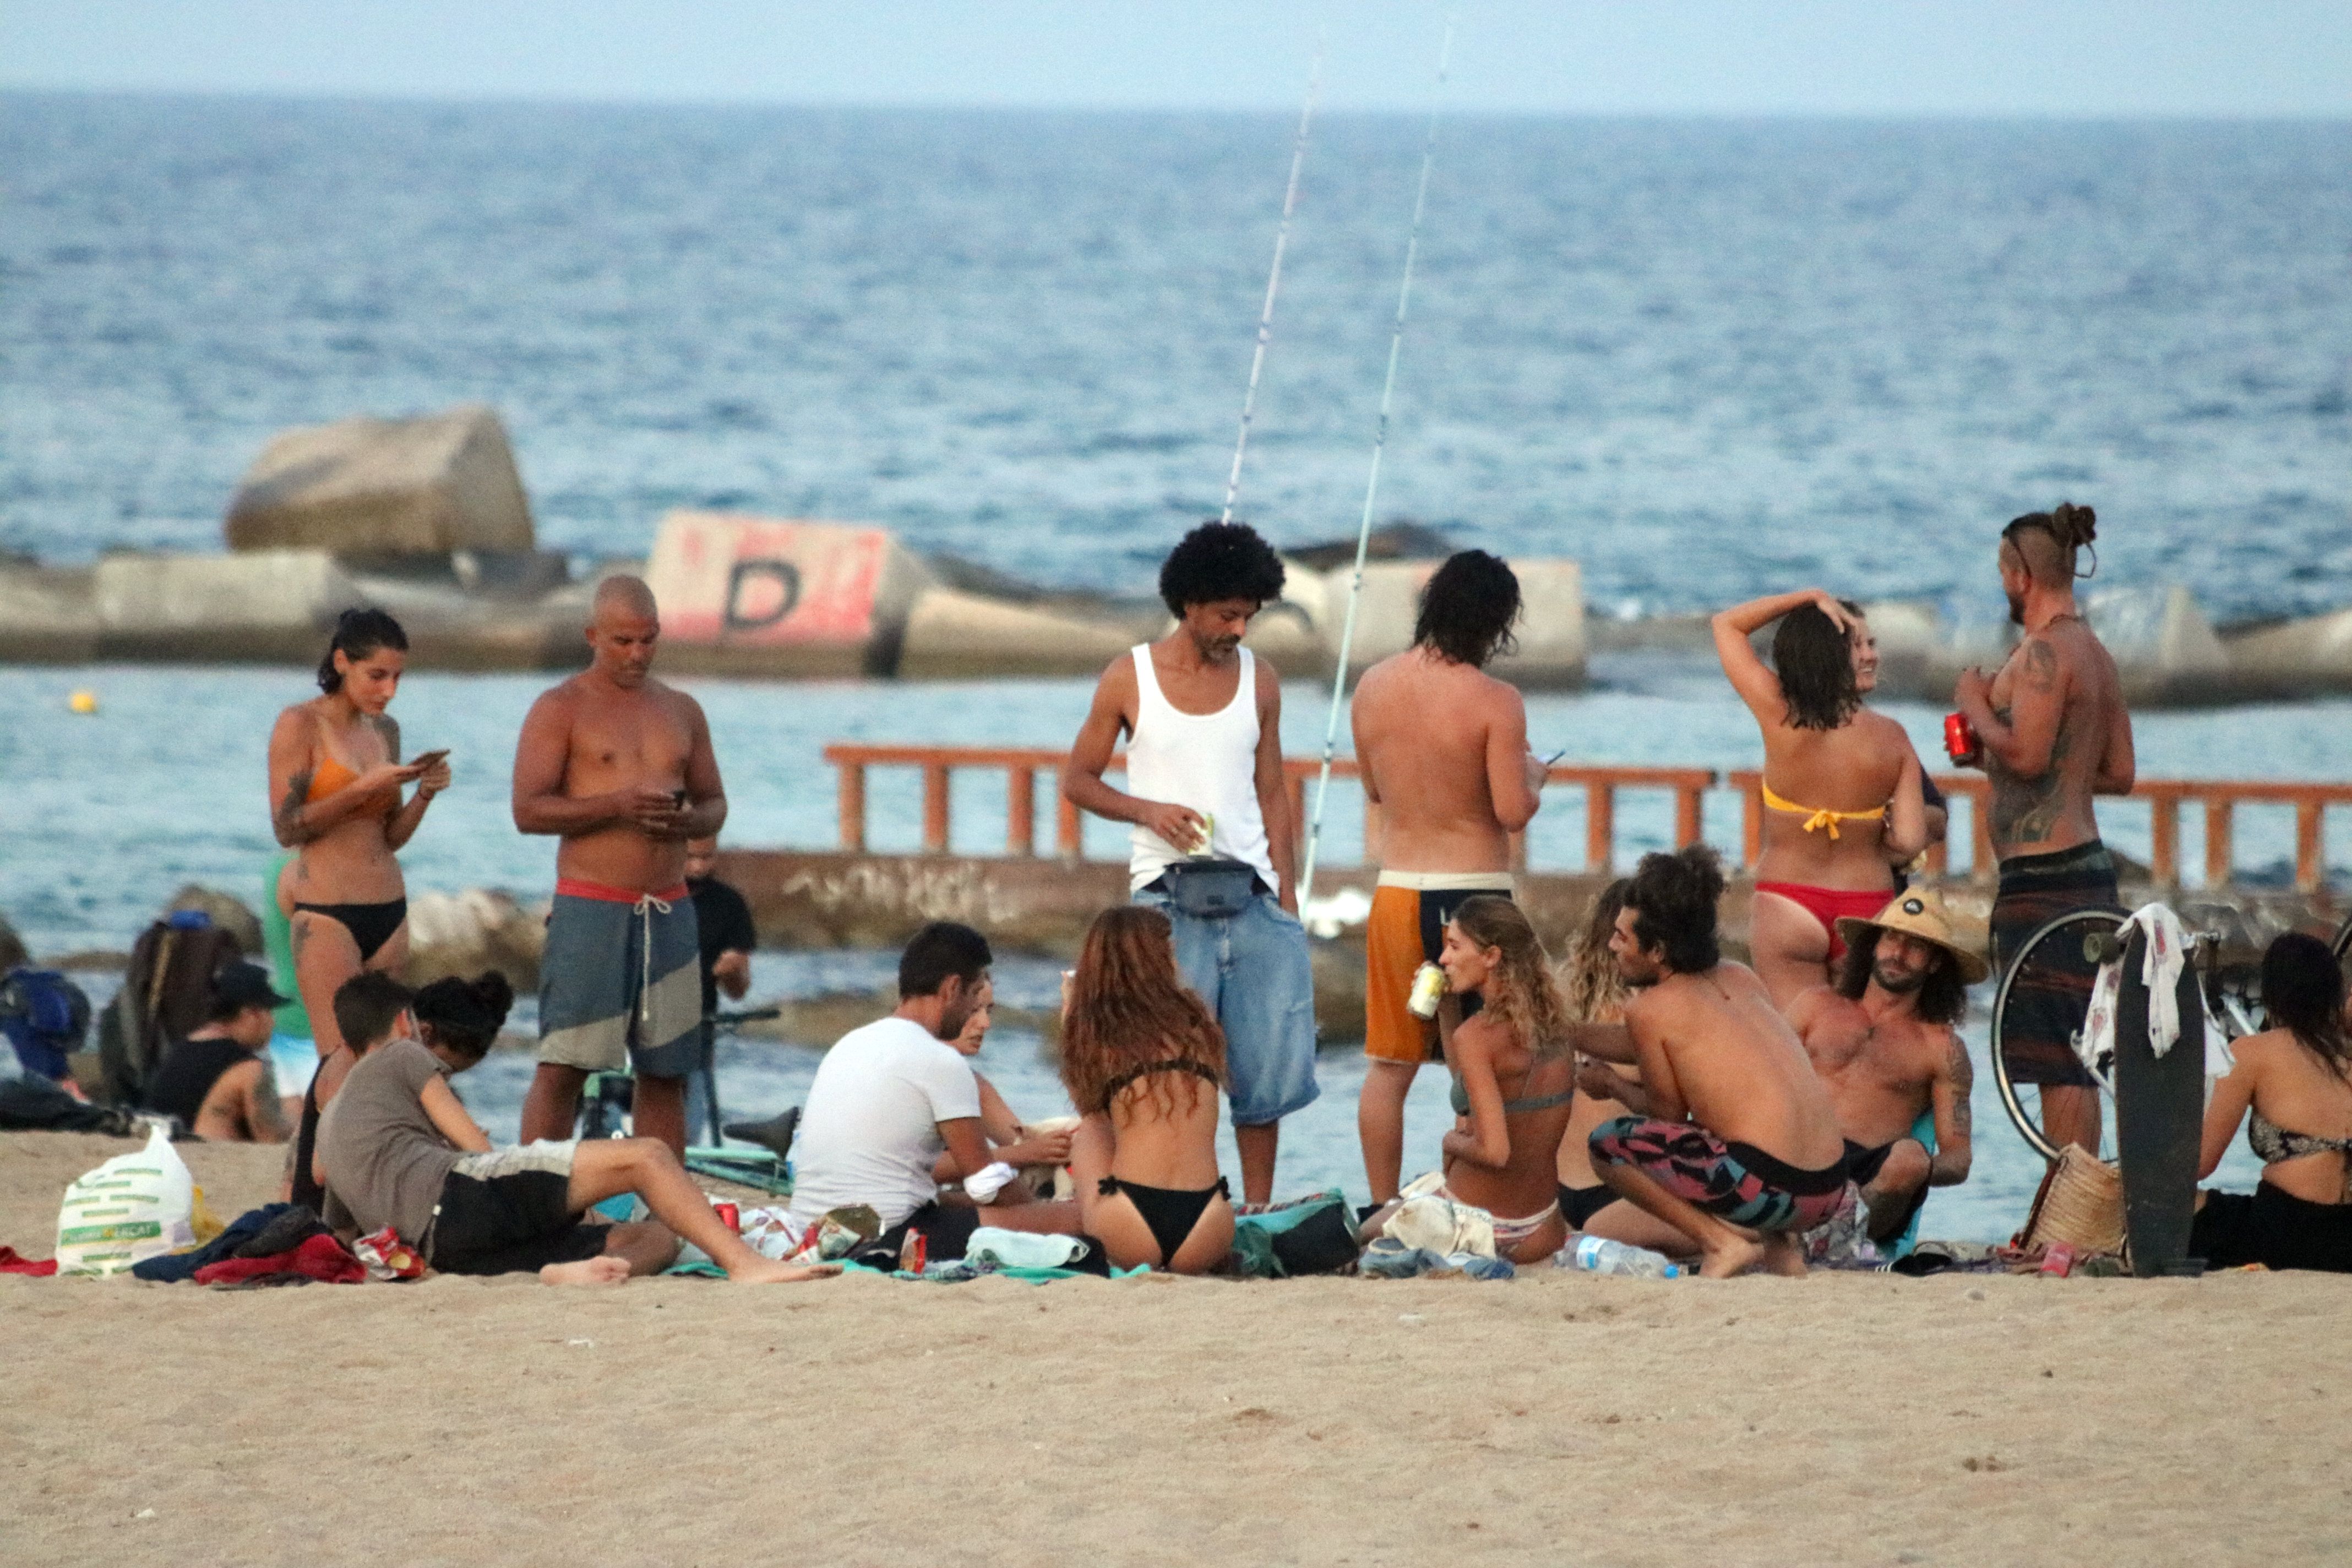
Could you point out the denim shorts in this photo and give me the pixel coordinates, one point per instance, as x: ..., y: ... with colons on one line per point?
x: 1252, y: 969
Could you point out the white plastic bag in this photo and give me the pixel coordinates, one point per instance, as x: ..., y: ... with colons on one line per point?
x: 133, y: 1207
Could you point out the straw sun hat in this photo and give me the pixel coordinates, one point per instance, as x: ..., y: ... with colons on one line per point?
x: 1917, y: 912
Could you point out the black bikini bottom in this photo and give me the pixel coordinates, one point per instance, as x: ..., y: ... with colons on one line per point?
x: 1169, y: 1213
x: 1581, y: 1204
x: 371, y: 925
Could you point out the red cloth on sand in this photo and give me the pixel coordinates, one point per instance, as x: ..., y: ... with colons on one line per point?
x: 12, y: 1262
x: 321, y: 1258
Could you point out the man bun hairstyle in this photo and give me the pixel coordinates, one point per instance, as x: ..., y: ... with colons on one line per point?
x: 940, y: 950
x: 1673, y: 899
x: 2068, y: 528
x: 1219, y: 561
x: 1467, y: 609
x: 1815, y: 660
x: 357, y: 633
x: 464, y: 1016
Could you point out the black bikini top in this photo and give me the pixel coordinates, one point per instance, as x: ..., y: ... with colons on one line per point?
x: 1126, y: 1080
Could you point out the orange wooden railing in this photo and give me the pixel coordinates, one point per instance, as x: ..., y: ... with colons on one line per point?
x: 1688, y: 786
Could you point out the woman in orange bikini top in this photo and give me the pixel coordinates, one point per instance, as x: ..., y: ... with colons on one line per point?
x: 335, y: 794
x: 1841, y: 791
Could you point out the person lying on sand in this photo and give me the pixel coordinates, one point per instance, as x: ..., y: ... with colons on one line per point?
x: 1143, y: 1061
x: 1513, y: 1080
x: 1741, y: 1148
x: 1036, y: 1154
x: 1882, y: 1040
x: 891, y: 1095
x: 397, y: 1148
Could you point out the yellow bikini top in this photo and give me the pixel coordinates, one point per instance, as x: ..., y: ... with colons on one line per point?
x: 1818, y: 818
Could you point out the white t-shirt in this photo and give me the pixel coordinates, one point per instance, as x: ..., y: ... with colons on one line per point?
x: 869, y: 1132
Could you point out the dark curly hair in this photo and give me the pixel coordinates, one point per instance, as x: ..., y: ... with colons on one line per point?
x: 1673, y: 899
x: 1467, y: 609
x: 357, y: 633
x: 1943, y: 995
x: 1814, y: 661
x: 2065, y: 529
x: 1219, y: 561
x: 464, y: 1016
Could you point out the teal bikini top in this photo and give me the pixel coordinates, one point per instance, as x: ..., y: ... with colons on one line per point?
x: 1461, y: 1097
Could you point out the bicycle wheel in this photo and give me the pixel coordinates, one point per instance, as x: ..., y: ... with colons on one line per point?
x: 2074, y: 927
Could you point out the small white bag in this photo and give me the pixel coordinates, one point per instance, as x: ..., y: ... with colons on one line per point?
x: 133, y: 1207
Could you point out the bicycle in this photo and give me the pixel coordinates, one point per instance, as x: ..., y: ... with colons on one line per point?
x: 606, y: 1098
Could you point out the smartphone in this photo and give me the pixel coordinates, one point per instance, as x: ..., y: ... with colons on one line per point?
x: 1555, y: 756
x: 427, y: 759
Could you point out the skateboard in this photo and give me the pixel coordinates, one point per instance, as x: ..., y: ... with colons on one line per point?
x: 2159, y: 1119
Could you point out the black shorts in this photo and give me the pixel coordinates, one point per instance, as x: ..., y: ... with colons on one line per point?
x: 513, y: 1224
x: 946, y: 1230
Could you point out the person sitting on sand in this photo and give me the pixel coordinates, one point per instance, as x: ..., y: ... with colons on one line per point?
x: 398, y: 1150
x: 218, y: 1080
x: 1883, y: 1040
x: 371, y: 1007
x: 2298, y: 1074
x: 1741, y: 1148
x: 1514, y: 1080
x: 1593, y: 992
x: 1034, y: 1153
x: 1143, y: 1061
x: 1842, y: 804
x: 891, y: 1095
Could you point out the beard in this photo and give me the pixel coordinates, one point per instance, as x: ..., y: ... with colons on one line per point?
x: 1898, y: 983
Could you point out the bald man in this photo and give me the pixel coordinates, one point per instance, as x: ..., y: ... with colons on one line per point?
x: 620, y: 767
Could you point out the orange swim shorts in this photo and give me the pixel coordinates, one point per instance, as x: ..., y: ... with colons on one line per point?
x: 1406, y: 929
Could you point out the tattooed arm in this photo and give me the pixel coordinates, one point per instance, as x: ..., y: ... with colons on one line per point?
x: 295, y: 818
x: 1954, y: 1124
x: 2021, y: 740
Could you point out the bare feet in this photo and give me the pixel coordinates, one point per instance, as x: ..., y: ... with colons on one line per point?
x: 766, y: 1272
x: 603, y: 1271
x: 1784, y: 1256
x: 1736, y: 1255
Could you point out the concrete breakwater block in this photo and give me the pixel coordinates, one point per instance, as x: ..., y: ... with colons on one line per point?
x: 465, y: 934
x: 1301, y: 631
x: 269, y: 605
x: 951, y: 635
x: 749, y: 595
x: 425, y: 486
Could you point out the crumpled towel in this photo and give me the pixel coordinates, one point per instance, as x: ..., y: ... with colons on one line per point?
x: 1389, y: 1259
x: 319, y: 1258
x: 2160, y: 968
x: 14, y: 1262
x: 1428, y: 1219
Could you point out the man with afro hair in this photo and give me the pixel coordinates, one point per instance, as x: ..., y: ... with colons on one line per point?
x: 1212, y: 837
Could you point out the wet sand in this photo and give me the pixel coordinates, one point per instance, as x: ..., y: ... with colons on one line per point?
x: 1840, y: 1419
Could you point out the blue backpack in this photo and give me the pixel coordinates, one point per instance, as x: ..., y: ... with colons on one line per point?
x: 46, y: 1016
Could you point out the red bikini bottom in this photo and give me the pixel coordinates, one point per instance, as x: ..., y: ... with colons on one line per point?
x: 1826, y: 904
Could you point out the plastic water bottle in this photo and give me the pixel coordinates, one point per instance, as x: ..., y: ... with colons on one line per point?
x: 1598, y: 1255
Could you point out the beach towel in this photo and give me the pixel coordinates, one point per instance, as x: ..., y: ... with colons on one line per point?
x: 321, y: 1258
x: 1313, y: 1235
x: 12, y: 1263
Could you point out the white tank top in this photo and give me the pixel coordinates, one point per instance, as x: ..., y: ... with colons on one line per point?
x: 1205, y: 761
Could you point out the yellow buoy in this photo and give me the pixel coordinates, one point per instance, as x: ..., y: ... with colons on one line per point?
x: 83, y: 702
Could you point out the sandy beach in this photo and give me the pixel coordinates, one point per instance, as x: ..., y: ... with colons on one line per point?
x: 1842, y: 1419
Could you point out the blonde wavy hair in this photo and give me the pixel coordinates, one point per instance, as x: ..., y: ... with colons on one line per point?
x: 1590, y: 984
x: 1521, y: 993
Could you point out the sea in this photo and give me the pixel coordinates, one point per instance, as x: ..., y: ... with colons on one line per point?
x: 1704, y: 358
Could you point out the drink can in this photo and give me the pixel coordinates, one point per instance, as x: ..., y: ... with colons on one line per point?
x: 914, y: 1252
x: 1206, y: 843
x: 1428, y: 987
x: 1960, y: 737
x: 728, y: 1215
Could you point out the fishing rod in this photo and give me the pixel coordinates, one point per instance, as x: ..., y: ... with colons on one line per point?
x: 1372, y: 481
x: 1274, y: 282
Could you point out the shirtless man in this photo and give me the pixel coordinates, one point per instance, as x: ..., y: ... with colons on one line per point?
x: 1211, y: 810
x: 620, y: 766
x: 2053, y: 733
x: 1883, y: 1039
x: 1443, y: 750
x: 1741, y: 1149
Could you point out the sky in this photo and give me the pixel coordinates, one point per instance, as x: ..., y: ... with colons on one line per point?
x: 2094, y: 58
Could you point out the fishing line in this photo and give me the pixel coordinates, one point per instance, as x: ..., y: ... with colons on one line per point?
x: 1373, y: 482
x: 1274, y: 282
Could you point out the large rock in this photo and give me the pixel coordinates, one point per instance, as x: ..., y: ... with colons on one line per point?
x: 952, y: 636
x: 465, y: 933
x: 386, y: 486
x: 759, y: 597
x: 227, y: 910
x: 271, y: 605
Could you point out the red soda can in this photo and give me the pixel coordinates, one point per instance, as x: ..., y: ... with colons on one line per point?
x: 1960, y: 737
x: 2058, y: 1261
x: 728, y: 1215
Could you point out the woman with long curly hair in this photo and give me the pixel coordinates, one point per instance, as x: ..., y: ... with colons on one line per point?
x: 1514, y: 1081
x: 1143, y: 1061
x: 1842, y: 792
